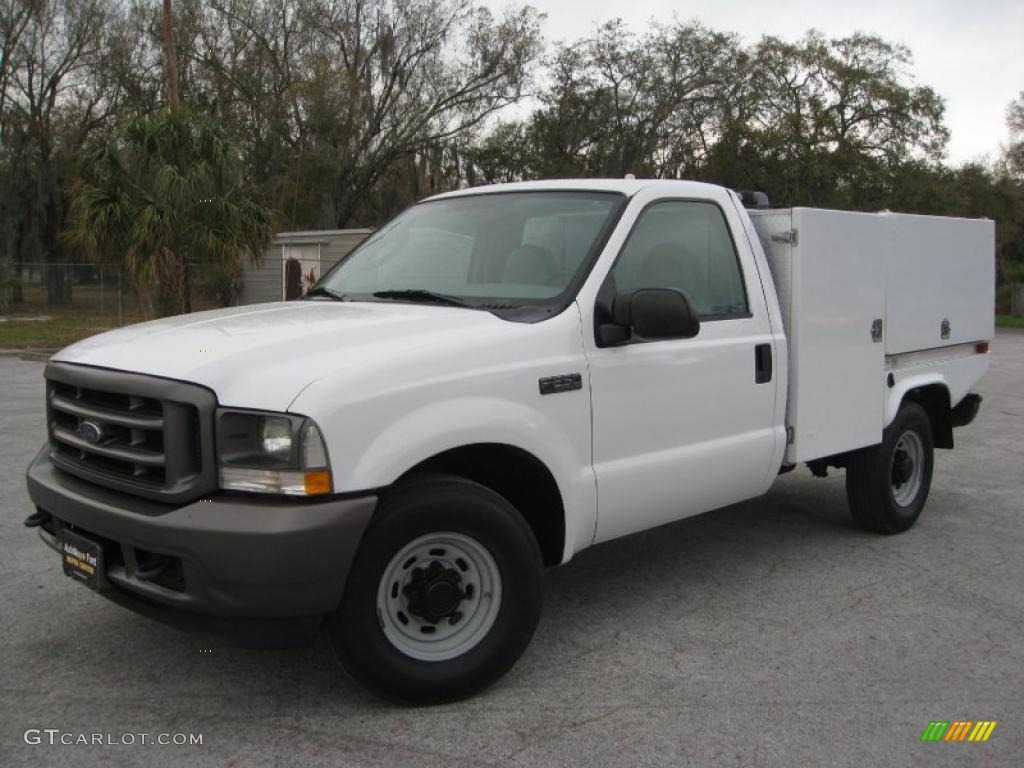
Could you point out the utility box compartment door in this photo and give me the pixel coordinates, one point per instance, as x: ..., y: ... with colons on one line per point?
x: 830, y: 278
x: 940, y: 278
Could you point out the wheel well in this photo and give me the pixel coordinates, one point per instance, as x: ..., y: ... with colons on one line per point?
x: 519, y: 477
x: 934, y: 398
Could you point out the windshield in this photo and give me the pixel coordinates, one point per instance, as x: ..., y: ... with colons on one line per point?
x: 499, y: 250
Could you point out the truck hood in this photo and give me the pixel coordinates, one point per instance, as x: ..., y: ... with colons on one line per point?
x: 264, y: 355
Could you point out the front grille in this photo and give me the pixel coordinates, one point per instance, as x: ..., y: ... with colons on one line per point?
x: 149, y: 436
x: 132, y: 437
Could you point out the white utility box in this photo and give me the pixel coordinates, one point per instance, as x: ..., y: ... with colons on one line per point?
x: 855, y: 288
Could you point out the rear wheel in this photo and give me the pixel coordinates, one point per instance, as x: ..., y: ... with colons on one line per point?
x: 887, y: 484
x: 444, y: 593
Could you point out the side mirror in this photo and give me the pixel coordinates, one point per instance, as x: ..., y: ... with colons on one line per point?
x: 650, y: 313
x: 664, y: 313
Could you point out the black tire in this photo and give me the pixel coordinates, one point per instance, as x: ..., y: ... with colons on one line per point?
x: 873, y: 474
x: 428, y: 506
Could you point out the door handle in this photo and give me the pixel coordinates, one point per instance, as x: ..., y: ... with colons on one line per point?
x: 762, y: 363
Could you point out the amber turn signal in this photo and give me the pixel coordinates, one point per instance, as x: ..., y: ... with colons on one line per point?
x: 318, y: 482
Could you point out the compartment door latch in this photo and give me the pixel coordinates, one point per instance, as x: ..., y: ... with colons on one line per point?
x: 876, y: 330
x: 791, y: 237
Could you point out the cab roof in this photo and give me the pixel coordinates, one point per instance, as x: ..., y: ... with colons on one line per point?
x: 628, y: 187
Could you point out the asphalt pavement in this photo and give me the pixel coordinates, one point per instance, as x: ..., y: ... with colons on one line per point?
x: 770, y: 633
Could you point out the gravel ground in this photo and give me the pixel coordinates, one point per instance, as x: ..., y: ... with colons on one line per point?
x: 769, y: 633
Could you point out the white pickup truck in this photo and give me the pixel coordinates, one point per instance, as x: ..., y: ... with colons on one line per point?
x: 495, y: 380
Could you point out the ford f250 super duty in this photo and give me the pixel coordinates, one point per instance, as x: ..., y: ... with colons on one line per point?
x: 495, y: 380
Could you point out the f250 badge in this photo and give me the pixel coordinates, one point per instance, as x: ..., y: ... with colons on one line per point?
x: 552, y: 385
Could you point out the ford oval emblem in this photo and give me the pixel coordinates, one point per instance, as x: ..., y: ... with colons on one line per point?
x: 90, y: 431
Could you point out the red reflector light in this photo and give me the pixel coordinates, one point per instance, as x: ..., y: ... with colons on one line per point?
x: 981, y: 347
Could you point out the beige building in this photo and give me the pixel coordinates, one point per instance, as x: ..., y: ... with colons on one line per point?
x: 294, y: 261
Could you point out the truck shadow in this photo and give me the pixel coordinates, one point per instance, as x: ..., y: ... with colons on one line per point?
x: 670, y: 571
x: 798, y: 512
x: 731, y: 562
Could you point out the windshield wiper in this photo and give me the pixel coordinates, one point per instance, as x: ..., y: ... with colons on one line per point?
x: 322, y: 291
x: 423, y: 295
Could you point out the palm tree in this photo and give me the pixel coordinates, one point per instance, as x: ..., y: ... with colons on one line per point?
x: 163, y: 192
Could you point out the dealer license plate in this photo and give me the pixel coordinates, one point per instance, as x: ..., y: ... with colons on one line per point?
x: 83, y: 558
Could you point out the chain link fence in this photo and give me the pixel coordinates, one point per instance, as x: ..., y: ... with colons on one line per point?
x: 99, y: 293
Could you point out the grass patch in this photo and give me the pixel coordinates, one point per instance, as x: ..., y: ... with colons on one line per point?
x: 31, y: 323
x: 53, y: 332
x: 1009, y: 321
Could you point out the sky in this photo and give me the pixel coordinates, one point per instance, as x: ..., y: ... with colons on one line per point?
x: 971, y: 53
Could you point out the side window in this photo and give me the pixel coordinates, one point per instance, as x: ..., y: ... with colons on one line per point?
x: 684, y: 245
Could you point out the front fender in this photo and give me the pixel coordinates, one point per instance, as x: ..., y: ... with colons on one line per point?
x: 439, y: 426
x: 389, y: 412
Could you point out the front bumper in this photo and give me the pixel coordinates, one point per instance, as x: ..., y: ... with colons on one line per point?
x: 256, y: 571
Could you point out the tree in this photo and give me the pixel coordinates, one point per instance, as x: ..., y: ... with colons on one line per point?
x: 621, y: 103
x: 342, y: 93
x: 817, y: 121
x: 170, y: 55
x: 15, y: 16
x: 345, y: 111
x: 827, y: 122
x: 54, y: 95
x: 1013, y: 156
x: 165, y: 191
x: 504, y: 154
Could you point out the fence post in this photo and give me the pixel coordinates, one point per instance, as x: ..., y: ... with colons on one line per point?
x: 120, y: 302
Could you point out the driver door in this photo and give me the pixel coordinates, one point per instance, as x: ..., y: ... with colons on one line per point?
x: 682, y: 426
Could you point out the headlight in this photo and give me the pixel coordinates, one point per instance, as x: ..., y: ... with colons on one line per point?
x: 271, y: 453
x: 276, y: 436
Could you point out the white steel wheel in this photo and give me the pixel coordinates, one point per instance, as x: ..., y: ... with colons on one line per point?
x: 443, y: 595
x: 907, y: 468
x: 439, y: 596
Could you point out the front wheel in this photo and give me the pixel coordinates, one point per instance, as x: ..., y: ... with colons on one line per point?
x: 887, y: 484
x: 444, y: 593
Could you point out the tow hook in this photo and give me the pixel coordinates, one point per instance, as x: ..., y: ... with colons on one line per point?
x: 36, y: 519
